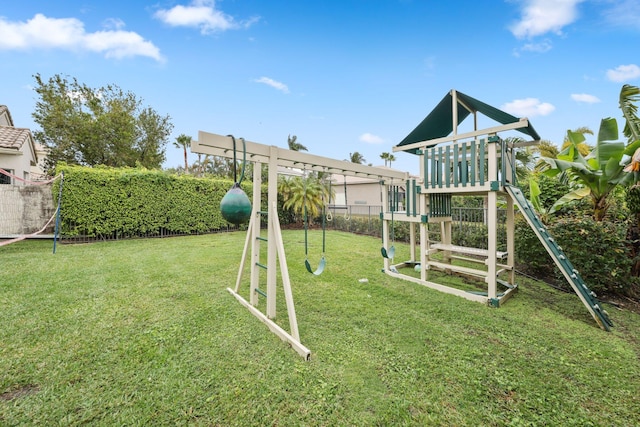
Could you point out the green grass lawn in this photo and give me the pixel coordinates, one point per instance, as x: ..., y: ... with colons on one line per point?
x: 143, y: 332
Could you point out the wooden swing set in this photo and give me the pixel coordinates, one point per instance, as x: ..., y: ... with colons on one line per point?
x: 475, y: 163
x: 274, y: 158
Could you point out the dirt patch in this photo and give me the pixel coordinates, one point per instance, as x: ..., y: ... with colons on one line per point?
x: 21, y: 391
x: 622, y: 302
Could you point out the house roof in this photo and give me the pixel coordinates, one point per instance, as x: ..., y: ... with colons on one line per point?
x: 15, y: 139
x: 4, y: 111
x: 439, y: 122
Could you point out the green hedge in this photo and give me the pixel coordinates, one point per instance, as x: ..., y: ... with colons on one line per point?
x: 126, y: 202
x: 598, y: 250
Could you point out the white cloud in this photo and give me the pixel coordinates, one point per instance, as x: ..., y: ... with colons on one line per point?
x: 370, y: 138
x: 113, y: 23
x: 273, y: 83
x: 543, y: 16
x: 623, y: 73
x: 201, y: 14
x: 623, y: 13
x: 528, y: 107
x: 42, y: 32
x: 585, y: 98
x: 541, y: 47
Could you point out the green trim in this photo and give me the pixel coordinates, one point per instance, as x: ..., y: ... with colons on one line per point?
x: 494, y: 185
x: 261, y: 292
x: 424, y: 219
x: 493, y: 139
x: 493, y: 302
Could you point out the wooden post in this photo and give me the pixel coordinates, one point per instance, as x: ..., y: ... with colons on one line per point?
x: 492, y: 224
x: 445, y: 238
x: 272, y: 251
x: 511, y: 247
x: 424, y: 234
x: 255, y: 233
x: 412, y: 241
x: 385, y: 223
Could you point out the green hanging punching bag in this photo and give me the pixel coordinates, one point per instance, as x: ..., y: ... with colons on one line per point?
x: 235, y: 206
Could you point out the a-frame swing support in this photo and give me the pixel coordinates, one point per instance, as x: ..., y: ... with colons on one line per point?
x: 274, y: 157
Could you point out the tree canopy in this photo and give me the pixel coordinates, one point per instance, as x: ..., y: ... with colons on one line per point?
x: 356, y: 157
x: 292, y: 142
x: 104, y: 126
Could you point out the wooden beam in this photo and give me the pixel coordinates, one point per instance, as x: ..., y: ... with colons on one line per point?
x: 220, y: 145
x: 284, y: 335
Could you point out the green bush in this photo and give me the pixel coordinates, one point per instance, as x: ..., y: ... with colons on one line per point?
x: 598, y: 250
x: 125, y: 202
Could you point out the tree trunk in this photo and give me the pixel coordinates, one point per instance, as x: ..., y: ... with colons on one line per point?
x: 186, y: 166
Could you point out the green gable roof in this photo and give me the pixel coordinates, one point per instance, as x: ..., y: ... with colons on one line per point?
x: 439, y: 122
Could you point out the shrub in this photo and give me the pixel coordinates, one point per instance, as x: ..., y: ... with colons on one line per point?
x: 598, y: 250
x: 134, y: 201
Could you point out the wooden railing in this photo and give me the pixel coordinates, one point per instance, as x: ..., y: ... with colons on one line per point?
x: 472, y: 165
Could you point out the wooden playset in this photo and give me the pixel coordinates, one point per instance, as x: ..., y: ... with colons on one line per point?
x: 478, y: 162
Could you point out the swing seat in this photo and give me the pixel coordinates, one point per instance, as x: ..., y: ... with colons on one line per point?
x: 388, y: 254
x: 319, y: 270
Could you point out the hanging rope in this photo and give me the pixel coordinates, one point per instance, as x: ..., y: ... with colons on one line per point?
x: 390, y: 253
x: 323, y: 261
x: 235, y: 161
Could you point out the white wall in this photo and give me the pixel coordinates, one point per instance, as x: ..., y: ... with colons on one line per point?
x: 18, y: 163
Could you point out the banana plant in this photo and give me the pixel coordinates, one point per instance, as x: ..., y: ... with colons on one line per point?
x: 629, y: 95
x: 545, y: 213
x: 598, y: 173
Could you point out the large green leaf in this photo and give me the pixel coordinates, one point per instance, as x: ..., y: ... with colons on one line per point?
x: 534, y: 195
x: 631, y: 148
x: 563, y: 165
x: 608, y: 130
x: 571, y: 152
x: 577, y: 194
x: 628, y: 98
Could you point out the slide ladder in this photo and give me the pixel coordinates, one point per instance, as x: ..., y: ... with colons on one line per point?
x: 587, y: 297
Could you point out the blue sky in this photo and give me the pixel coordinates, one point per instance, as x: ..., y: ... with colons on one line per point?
x: 344, y: 76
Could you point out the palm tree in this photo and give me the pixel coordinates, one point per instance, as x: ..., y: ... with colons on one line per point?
x: 388, y: 158
x: 385, y: 156
x: 356, y: 157
x: 183, y: 141
x: 294, y: 145
x: 392, y: 158
x: 303, y: 193
x: 202, y: 165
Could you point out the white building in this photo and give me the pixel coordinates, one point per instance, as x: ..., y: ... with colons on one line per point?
x: 18, y: 155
